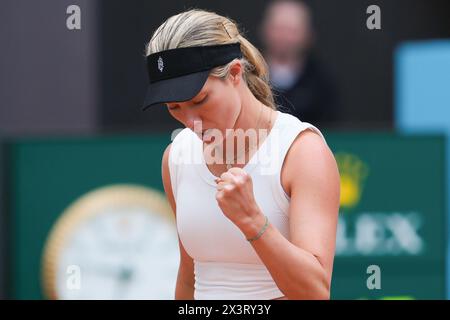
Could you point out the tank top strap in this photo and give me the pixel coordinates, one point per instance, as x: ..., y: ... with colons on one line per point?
x: 181, y: 151
x: 289, y: 128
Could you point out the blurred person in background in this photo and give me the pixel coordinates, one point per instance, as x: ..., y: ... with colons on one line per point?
x: 301, y: 85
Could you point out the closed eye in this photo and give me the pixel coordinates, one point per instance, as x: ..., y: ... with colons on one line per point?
x: 194, y: 103
x: 202, y: 101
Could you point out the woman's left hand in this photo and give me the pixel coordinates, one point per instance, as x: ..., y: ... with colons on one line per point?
x: 236, y: 198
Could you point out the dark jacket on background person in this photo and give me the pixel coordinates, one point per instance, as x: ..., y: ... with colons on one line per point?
x: 312, y: 97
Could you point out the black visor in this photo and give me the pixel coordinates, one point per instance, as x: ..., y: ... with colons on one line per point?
x: 178, y: 75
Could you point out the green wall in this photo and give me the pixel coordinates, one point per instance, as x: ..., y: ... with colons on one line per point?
x: 393, y: 191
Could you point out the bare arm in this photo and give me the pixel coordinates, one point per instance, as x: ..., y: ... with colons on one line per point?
x: 185, y: 280
x: 302, y: 267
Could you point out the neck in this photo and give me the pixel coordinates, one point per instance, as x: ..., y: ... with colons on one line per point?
x: 248, y: 115
x: 253, y: 116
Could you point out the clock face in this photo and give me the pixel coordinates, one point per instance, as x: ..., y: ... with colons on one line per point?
x: 123, y: 251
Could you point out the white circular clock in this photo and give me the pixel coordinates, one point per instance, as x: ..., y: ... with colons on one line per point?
x: 116, y: 242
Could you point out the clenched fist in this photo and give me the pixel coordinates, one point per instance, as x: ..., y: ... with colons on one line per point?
x: 236, y: 199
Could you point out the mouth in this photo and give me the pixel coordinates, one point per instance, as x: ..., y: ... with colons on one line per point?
x: 206, y: 137
x: 202, y: 133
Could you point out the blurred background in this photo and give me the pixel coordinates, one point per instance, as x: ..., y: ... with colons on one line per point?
x: 82, y: 210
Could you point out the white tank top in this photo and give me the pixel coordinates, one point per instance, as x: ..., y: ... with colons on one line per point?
x: 225, y: 264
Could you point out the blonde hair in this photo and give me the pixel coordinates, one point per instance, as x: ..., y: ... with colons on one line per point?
x: 201, y: 28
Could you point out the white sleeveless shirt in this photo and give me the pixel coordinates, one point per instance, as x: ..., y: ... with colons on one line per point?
x: 225, y: 264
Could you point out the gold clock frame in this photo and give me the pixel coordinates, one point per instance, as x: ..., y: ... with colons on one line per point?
x: 86, y: 207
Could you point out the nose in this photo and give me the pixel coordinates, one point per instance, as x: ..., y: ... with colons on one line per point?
x: 188, y: 116
x: 192, y: 120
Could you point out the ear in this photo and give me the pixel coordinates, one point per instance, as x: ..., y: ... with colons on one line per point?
x: 236, y: 72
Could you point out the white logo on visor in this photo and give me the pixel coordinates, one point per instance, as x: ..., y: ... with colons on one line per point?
x: 160, y: 64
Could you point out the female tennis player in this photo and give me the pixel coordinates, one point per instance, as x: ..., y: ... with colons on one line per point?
x: 255, y: 194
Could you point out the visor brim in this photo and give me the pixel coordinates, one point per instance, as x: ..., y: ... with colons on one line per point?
x: 179, y: 89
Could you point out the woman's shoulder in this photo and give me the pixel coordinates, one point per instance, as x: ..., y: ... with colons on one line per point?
x: 309, y: 161
x: 183, y: 148
x: 181, y: 140
x: 309, y: 148
x: 178, y: 138
x: 181, y: 135
x: 290, y: 127
x: 291, y: 122
x: 306, y: 146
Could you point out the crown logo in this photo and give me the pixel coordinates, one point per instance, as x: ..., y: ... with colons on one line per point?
x: 353, y: 172
x: 160, y: 64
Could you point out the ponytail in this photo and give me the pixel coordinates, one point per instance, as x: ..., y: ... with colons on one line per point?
x: 258, y: 76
